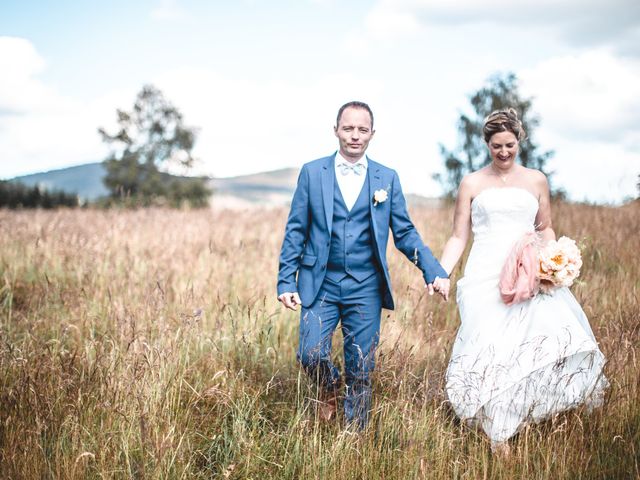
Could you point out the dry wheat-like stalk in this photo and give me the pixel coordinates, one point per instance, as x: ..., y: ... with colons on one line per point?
x: 149, y: 343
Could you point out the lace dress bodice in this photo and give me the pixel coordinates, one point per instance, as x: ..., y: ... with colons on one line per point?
x: 499, y: 217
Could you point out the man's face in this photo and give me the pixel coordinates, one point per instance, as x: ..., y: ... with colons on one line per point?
x: 354, y: 132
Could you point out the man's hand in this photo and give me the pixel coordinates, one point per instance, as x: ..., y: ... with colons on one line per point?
x: 430, y: 288
x: 442, y: 286
x: 291, y: 300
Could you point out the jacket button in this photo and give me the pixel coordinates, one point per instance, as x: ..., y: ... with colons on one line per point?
x: 348, y: 219
x: 328, y: 243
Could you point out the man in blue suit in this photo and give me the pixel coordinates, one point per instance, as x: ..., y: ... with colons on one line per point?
x: 333, y: 260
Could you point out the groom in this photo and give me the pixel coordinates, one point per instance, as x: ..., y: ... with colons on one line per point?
x: 336, y: 241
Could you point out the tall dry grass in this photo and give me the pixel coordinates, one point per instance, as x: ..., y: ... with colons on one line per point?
x: 148, y: 344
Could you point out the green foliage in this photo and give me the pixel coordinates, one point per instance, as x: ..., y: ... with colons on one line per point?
x: 18, y: 195
x: 150, y: 138
x: 500, y: 92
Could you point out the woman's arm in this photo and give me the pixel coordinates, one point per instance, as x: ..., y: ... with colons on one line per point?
x: 543, y: 217
x: 457, y: 242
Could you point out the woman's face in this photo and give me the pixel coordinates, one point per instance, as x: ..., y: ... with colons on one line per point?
x: 503, y: 147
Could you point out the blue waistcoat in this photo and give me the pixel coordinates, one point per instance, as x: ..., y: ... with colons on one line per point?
x: 352, y: 250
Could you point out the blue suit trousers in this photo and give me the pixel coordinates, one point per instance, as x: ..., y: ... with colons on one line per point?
x: 358, y: 307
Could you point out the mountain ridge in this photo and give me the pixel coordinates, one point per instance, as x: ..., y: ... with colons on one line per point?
x: 269, y: 188
x: 275, y: 186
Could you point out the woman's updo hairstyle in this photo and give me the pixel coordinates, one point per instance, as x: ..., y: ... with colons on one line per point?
x: 505, y: 120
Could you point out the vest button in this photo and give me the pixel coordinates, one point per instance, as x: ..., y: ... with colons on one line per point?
x: 324, y: 266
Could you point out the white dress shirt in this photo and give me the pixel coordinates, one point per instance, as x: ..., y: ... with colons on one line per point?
x: 351, y: 183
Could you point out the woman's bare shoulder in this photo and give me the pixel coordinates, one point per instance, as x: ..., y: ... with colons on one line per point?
x: 473, y: 183
x: 534, y: 175
x: 473, y: 180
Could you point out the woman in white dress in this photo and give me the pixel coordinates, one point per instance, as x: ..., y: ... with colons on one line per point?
x: 512, y: 364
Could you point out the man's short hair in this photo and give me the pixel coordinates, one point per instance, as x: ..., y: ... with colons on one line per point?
x: 354, y: 104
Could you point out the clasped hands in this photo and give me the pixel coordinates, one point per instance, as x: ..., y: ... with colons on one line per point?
x: 291, y: 300
x: 440, y: 285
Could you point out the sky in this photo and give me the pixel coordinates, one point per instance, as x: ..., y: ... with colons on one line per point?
x: 262, y: 80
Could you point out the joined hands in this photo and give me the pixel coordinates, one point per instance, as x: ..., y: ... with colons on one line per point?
x: 440, y: 285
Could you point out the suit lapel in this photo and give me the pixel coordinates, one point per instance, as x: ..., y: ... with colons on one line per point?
x: 375, y: 183
x: 328, y: 180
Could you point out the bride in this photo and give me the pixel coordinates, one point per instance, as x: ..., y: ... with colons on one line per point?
x: 511, y: 365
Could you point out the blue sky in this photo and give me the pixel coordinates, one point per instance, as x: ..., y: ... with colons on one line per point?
x: 262, y: 80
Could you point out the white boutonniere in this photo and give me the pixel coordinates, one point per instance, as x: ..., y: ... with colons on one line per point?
x: 379, y: 196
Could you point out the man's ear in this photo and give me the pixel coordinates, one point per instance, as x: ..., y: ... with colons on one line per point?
x: 335, y: 130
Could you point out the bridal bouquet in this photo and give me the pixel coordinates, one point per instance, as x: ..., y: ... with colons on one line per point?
x: 531, y: 268
x: 559, y: 264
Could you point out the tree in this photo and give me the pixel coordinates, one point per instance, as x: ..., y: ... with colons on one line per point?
x: 500, y: 92
x: 150, y: 139
x: 18, y: 195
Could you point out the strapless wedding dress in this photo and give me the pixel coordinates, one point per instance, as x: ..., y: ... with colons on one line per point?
x: 515, y: 364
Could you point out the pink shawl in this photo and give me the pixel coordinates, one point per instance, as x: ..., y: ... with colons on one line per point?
x: 519, y: 279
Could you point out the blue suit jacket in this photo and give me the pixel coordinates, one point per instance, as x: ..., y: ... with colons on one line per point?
x: 307, y: 238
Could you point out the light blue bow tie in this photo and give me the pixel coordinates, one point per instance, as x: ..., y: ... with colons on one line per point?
x: 346, y: 168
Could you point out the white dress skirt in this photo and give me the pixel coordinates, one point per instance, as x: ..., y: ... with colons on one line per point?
x: 511, y: 365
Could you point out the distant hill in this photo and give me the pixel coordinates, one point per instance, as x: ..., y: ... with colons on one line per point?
x: 271, y: 188
x: 267, y: 188
x: 83, y: 180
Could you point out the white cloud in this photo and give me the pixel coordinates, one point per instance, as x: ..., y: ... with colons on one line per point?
x: 580, y: 22
x: 19, y: 90
x: 600, y: 172
x: 39, y: 128
x: 245, y: 125
x: 588, y: 97
x: 169, y: 10
x: 20, y: 54
x: 526, y: 11
x: 591, y: 96
x: 248, y: 126
x: 383, y: 22
x: 589, y: 104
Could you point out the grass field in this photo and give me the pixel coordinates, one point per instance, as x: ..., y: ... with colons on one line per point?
x: 149, y: 344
